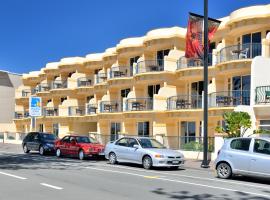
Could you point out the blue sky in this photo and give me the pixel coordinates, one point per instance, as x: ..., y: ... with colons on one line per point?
x: 35, y: 32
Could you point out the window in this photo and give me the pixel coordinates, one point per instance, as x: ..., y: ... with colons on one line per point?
x: 125, y: 92
x: 249, y: 42
x: 56, y: 129
x: 63, y: 99
x: 153, y: 89
x: 115, y: 130
x: 160, y: 56
x: 132, y: 142
x: 212, y: 46
x: 188, y: 131
x: 197, y: 88
x: 131, y: 62
x: 264, y: 125
x: 122, y: 142
x: 261, y: 146
x: 41, y: 127
x: 66, y: 139
x: 241, y: 144
x: 143, y: 129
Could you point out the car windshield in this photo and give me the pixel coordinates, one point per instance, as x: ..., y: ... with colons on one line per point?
x: 150, y: 143
x: 47, y: 136
x: 86, y: 140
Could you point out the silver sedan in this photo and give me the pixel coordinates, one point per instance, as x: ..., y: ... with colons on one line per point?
x: 142, y: 150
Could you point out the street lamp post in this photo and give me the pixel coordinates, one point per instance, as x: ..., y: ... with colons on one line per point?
x: 205, y: 163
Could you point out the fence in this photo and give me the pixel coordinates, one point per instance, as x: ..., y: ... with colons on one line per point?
x: 139, y: 104
x: 184, y: 102
x: 262, y: 95
x: 184, y: 62
x: 76, y: 110
x: 84, y: 82
x: 110, y: 106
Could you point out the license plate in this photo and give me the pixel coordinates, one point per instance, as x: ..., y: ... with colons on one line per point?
x: 175, y: 162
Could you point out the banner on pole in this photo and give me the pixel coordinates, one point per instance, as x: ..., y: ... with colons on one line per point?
x: 35, y: 107
x: 194, y: 36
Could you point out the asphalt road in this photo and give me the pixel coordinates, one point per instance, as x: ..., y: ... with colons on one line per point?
x: 30, y: 177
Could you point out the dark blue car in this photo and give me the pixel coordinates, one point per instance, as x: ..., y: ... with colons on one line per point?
x: 38, y: 141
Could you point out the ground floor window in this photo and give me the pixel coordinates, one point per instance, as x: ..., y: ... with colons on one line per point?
x: 115, y: 130
x: 264, y: 125
x: 188, y: 131
x: 143, y: 129
x: 41, y: 127
x: 56, y: 129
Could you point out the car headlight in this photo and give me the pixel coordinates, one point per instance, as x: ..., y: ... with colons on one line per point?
x: 159, y: 156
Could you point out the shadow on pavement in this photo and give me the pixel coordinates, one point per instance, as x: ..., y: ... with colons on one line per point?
x: 154, y: 168
x: 203, y: 196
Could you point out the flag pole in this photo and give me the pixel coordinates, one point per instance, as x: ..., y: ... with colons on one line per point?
x: 205, y: 163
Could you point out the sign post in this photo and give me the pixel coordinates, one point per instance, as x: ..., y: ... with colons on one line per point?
x: 34, y: 110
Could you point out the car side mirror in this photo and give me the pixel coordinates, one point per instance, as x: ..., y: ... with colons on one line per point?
x: 136, y: 146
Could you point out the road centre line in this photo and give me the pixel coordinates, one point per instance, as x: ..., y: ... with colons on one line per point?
x: 51, y: 186
x: 193, y: 177
x: 14, y: 176
x: 183, y: 182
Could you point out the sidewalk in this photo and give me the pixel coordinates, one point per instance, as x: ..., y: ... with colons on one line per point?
x: 196, y: 164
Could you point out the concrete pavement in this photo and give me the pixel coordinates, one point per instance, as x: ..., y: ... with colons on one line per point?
x: 30, y: 176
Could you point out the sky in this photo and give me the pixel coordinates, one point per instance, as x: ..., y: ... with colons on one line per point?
x: 35, y: 32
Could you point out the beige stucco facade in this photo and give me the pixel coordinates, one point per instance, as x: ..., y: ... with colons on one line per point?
x: 145, y: 84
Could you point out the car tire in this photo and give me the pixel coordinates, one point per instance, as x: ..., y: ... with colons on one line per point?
x: 81, y: 155
x: 25, y: 149
x: 112, y: 158
x: 224, y: 170
x: 58, y: 153
x: 41, y: 151
x: 147, y: 162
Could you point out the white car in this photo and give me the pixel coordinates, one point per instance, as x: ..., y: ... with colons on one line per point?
x: 244, y: 156
x: 142, y: 150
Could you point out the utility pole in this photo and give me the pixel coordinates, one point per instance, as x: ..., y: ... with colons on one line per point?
x: 205, y: 163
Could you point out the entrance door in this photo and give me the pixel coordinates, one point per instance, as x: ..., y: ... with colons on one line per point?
x: 188, y: 132
x: 143, y: 129
x: 115, y: 130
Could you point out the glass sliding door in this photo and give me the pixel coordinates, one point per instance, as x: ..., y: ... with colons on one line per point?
x: 160, y: 57
x: 241, y: 90
x: 188, y: 132
x: 143, y: 129
x: 115, y: 130
x: 252, y: 42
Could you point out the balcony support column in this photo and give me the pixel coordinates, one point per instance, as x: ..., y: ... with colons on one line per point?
x: 266, y: 47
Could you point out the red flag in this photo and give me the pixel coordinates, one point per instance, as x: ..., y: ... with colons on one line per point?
x: 194, y: 37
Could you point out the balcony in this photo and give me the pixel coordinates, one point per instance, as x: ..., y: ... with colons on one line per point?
x: 184, y: 102
x: 139, y: 104
x: 21, y: 114
x: 110, y: 106
x: 262, y: 95
x: 229, y: 98
x: 149, y: 66
x: 43, y: 87
x: 91, y: 109
x: 101, y: 78
x: 184, y: 62
x: 239, y: 52
x: 119, y: 72
x: 84, y: 82
x: 76, y: 110
x: 58, y: 84
x: 25, y: 93
x: 50, y: 111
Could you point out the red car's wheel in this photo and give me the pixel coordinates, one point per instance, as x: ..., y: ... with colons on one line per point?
x: 58, y: 153
x: 81, y: 155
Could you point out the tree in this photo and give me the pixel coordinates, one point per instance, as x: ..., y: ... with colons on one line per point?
x: 237, y: 123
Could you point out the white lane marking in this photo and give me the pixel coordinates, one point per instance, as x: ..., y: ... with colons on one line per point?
x: 193, y: 177
x: 183, y: 182
x: 14, y: 176
x: 51, y: 186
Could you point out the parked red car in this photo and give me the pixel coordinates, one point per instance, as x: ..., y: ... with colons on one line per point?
x: 78, y: 146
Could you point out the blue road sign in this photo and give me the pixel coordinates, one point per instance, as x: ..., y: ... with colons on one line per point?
x: 35, y: 106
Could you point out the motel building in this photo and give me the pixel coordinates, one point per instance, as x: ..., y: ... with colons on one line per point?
x: 145, y: 86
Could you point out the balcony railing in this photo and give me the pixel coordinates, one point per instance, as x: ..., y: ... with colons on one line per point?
x: 84, y: 82
x: 262, y: 95
x: 26, y: 93
x: 139, y: 104
x: 50, y: 111
x: 101, y: 77
x: 91, y: 109
x: 184, y: 62
x: 118, y: 72
x: 229, y: 98
x: 110, y: 106
x: 43, y: 87
x: 76, y: 110
x: 238, y: 52
x: 150, y: 66
x: 59, y: 84
x: 21, y: 114
x: 184, y: 102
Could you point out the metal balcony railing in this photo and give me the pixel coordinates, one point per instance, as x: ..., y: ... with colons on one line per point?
x: 139, y: 104
x: 84, y: 82
x: 184, y: 62
x: 26, y: 93
x: 91, y: 109
x: 59, y: 84
x: 229, y: 98
x: 50, y: 111
x: 21, y: 114
x: 43, y: 87
x: 149, y: 66
x: 110, y: 106
x: 184, y: 102
x: 262, y: 95
x: 76, y: 110
x: 238, y: 52
x: 101, y: 77
x: 118, y: 72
